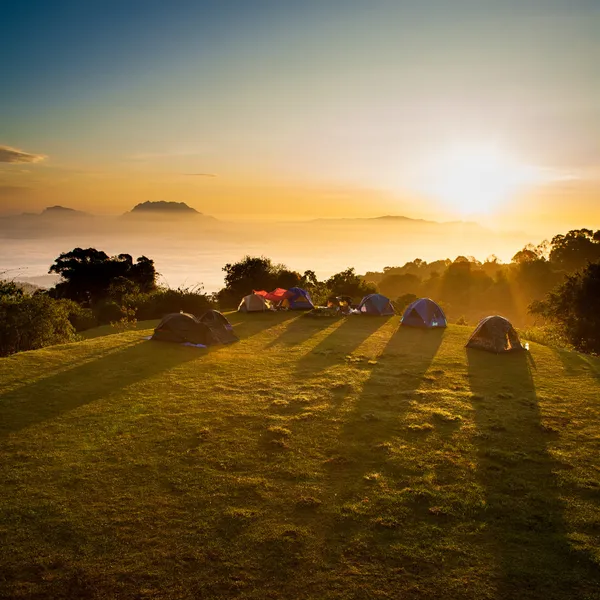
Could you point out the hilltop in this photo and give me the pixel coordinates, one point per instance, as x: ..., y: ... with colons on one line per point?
x: 162, y: 208
x: 315, y: 458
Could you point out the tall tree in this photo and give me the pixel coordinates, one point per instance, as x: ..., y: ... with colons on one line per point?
x: 87, y: 274
x: 574, y: 307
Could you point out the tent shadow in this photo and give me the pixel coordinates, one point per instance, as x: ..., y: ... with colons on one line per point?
x: 300, y: 328
x: 342, y: 340
x: 370, y: 427
x: 246, y: 325
x: 523, y: 507
x: 83, y: 384
x: 576, y: 364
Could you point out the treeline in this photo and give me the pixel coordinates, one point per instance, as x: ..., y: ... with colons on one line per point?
x: 472, y: 289
x: 555, y: 284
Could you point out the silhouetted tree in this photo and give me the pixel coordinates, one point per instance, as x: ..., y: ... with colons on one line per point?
x: 574, y: 307
x: 348, y: 283
x: 88, y: 273
x: 575, y: 249
x: 254, y: 273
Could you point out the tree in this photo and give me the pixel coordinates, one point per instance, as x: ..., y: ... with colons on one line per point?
x: 31, y: 322
x: 574, y: 307
x: 87, y: 274
x: 396, y: 285
x: 348, y: 283
x: 575, y: 249
x: 254, y: 273
x: 9, y: 289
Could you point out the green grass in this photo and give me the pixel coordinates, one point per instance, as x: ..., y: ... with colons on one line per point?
x: 315, y: 458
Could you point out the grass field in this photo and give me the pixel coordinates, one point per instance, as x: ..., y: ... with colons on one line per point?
x: 315, y: 458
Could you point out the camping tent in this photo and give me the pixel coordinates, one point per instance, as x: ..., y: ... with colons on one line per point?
x: 219, y: 325
x: 495, y: 334
x: 376, y: 304
x: 183, y: 327
x: 424, y: 313
x: 297, y: 299
x: 276, y: 296
x: 254, y: 303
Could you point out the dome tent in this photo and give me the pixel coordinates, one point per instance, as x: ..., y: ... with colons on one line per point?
x: 219, y: 325
x: 495, y: 334
x: 424, y: 312
x: 254, y: 303
x: 182, y: 327
x: 297, y: 299
x: 376, y: 304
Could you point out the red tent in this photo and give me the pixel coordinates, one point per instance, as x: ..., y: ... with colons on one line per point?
x: 275, y: 296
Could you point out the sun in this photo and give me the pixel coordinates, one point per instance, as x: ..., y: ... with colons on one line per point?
x: 476, y: 179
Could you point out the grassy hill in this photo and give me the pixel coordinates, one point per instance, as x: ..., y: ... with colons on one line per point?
x: 313, y: 459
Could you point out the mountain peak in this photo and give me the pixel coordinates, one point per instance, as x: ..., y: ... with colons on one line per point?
x: 163, y: 206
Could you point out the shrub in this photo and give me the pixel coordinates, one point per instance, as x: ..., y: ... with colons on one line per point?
x: 81, y: 318
x: 31, y: 322
x: 402, y: 302
x: 156, y: 304
x: 109, y: 311
x: 573, y: 307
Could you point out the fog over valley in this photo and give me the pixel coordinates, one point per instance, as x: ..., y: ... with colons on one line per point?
x: 190, y: 248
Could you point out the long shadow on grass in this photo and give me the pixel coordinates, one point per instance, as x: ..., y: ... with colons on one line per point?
x: 372, y: 426
x: 246, y: 325
x: 524, y: 514
x: 65, y: 391
x: 576, y: 364
x: 300, y: 329
x: 342, y: 340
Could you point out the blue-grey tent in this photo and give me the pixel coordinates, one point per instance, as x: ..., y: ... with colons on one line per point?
x: 424, y: 313
x: 376, y: 304
x: 297, y: 299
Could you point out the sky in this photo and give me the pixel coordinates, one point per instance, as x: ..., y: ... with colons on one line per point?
x: 251, y: 109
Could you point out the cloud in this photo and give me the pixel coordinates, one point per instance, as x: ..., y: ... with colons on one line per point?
x: 12, y: 155
x: 201, y: 174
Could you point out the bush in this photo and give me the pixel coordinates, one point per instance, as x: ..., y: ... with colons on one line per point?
x: 155, y: 305
x: 573, y: 307
x: 109, y: 311
x: 547, y: 335
x: 402, y: 302
x: 81, y: 318
x: 31, y: 322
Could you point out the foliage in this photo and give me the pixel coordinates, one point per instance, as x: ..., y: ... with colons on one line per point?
x: 254, y: 273
x: 9, y: 289
x: 574, y: 307
x: 88, y: 274
x: 348, y: 283
x: 398, y: 284
x: 403, y: 301
x: 549, y: 334
x: 575, y: 249
x: 162, y: 301
x: 81, y: 318
x: 30, y: 322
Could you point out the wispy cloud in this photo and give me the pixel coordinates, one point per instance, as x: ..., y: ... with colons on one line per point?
x: 13, y: 155
x: 201, y: 174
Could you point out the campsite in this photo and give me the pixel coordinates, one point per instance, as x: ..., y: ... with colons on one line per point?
x: 313, y: 458
x: 300, y: 300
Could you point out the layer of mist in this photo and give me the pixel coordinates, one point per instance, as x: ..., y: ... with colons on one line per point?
x: 192, y: 250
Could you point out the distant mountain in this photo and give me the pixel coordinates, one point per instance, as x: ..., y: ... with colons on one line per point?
x: 162, y: 207
x: 58, y: 212
x: 399, y: 220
